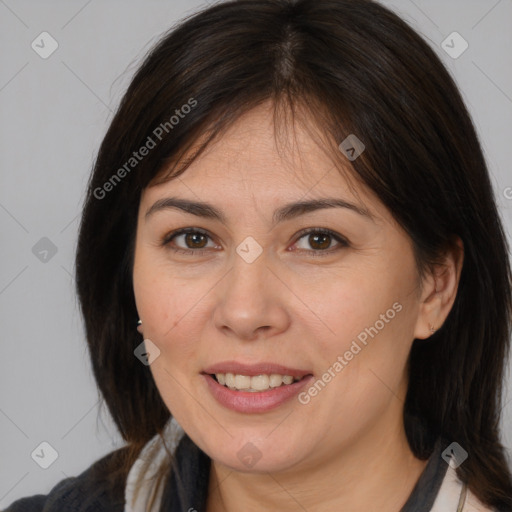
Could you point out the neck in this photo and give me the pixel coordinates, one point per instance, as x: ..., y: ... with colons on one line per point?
x: 375, y: 471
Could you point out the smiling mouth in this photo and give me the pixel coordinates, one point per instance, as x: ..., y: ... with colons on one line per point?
x: 256, y: 383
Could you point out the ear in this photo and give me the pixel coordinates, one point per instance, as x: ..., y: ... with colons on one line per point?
x: 439, y: 289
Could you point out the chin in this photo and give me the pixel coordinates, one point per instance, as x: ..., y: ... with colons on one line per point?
x: 259, y: 455
x: 256, y: 466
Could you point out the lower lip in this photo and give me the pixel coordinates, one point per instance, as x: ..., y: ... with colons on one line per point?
x: 260, y: 401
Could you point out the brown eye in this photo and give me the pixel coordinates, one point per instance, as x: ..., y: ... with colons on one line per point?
x: 187, y: 241
x: 195, y: 240
x: 319, y: 241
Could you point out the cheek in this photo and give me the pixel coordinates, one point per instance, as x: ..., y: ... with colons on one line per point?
x: 170, y: 308
x: 370, y: 320
x: 363, y: 371
x: 171, y: 311
x: 355, y: 307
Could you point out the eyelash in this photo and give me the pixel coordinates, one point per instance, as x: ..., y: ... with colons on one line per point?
x: 314, y: 252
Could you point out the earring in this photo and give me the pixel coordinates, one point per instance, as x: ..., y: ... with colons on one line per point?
x: 139, y: 326
x: 139, y: 322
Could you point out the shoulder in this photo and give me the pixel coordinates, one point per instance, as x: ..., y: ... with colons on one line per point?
x: 91, y: 491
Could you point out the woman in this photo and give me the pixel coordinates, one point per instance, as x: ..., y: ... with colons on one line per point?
x: 290, y: 247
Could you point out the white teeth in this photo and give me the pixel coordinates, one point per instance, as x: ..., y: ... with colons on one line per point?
x: 256, y: 383
x: 259, y: 382
x: 275, y: 380
x: 287, y: 379
x: 230, y: 380
x: 242, y: 382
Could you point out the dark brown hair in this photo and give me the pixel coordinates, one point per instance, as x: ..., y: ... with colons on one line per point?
x: 353, y: 67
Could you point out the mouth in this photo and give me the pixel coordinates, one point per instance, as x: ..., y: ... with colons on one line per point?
x: 254, y: 388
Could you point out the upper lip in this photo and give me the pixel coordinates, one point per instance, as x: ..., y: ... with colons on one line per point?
x: 252, y: 370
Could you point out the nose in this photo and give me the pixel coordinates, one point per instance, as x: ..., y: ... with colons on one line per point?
x: 251, y: 301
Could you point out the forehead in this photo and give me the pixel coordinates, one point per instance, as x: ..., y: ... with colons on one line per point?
x: 255, y: 157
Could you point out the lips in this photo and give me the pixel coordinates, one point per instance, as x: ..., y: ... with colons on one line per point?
x: 250, y: 403
x: 250, y: 400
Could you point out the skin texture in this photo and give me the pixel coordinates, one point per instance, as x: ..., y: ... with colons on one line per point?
x: 346, y: 448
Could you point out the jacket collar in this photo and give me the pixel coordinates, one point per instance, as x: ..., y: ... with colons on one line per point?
x: 143, y: 471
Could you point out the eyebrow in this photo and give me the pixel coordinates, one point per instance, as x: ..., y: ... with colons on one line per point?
x: 286, y: 212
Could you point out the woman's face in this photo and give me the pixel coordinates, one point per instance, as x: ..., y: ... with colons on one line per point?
x: 252, y: 295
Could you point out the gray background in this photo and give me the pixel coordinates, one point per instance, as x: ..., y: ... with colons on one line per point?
x: 54, y: 113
